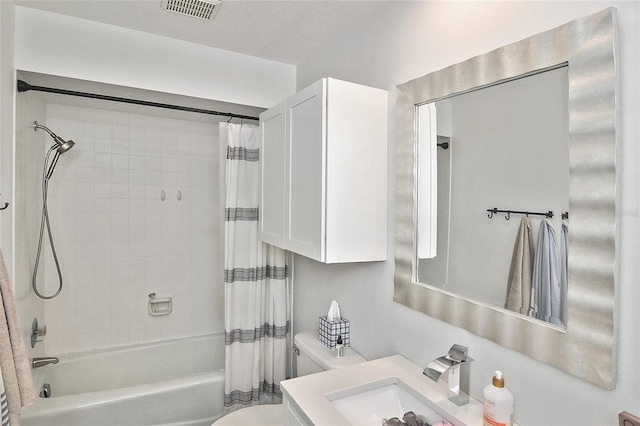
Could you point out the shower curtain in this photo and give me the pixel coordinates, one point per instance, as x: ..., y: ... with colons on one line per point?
x: 255, y: 276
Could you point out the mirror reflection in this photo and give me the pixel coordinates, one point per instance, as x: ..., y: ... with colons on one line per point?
x: 486, y: 158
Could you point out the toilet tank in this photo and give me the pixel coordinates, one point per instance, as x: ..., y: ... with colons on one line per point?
x: 314, y: 357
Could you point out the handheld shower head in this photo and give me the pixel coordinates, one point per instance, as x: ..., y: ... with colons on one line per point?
x: 60, y: 147
x: 63, y: 146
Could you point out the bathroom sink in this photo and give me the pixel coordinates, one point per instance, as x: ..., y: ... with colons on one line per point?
x: 370, y: 403
x: 367, y: 392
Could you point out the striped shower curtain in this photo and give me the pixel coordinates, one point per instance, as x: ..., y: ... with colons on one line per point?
x: 256, y: 296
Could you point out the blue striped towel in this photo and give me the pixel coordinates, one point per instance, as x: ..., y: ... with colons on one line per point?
x: 4, y: 405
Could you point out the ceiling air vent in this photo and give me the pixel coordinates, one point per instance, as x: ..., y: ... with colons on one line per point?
x: 203, y: 9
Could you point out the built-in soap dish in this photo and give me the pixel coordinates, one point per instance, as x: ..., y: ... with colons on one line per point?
x: 159, y: 305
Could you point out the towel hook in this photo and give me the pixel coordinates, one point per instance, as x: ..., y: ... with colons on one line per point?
x: 5, y: 206
x: 508, y: 216
x: 491, y: 211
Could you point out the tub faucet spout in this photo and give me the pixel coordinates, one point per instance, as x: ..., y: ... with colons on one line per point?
x: 40, y: 362
x: 456, y: 363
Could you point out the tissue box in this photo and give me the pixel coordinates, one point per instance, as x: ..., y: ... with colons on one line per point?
x: 330, y: 330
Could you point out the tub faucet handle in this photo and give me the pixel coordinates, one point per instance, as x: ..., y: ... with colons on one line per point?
x: 37, y: 331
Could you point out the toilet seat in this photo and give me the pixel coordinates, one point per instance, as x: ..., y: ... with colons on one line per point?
x: 264, y: 415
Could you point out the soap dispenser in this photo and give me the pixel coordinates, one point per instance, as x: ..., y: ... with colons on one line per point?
x: 498, y: 404
x: 339, y: 348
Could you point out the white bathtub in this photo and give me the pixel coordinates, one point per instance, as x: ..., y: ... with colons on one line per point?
x: 175, y: 382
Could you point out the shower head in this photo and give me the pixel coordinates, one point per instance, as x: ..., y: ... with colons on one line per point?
x: 63, y: 146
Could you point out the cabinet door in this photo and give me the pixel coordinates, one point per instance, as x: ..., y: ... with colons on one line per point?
x: 292, y: 415
x: 306, y: 160
x: 356, y: 184
x: 272, y: 195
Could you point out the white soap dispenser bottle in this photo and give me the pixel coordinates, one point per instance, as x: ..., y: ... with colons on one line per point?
x: 497, y: 403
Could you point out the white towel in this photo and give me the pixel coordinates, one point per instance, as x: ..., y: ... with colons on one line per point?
x: 545, y: 288
x: 520, y: 273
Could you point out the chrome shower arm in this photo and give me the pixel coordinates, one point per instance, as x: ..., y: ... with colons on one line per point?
x: 62, y: 145
x: 37, y: 126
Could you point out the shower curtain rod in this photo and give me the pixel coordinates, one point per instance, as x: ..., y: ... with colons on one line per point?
x: 23, y: 86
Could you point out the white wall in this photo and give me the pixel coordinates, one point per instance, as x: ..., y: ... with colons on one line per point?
x: 7, y: 76
x: 411, y: 39
x: 60, y: 45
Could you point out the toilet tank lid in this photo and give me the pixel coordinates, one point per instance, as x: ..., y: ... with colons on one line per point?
x: 308, y: 343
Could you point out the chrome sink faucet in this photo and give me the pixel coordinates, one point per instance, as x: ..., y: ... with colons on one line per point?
x: 40, y: 362
x: 456, y: 362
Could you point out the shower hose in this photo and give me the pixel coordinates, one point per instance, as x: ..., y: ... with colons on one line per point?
x: 44, y: 221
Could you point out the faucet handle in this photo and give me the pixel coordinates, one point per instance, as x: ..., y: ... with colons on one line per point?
x: 37, y: 331
x: 458, y: 353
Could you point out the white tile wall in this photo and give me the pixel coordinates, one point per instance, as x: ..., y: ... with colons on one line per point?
x: 117, y: 241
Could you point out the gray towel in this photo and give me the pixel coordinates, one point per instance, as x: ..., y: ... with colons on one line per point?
x: 546, y: 285
x: 520, y: 273
x: 16, y: 373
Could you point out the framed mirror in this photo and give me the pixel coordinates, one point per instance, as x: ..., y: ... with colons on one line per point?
x: 583, y: 54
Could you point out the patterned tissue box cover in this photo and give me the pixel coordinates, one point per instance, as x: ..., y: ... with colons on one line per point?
x: 328, y: 332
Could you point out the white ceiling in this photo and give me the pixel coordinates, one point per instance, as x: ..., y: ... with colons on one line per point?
x: 281, y: 30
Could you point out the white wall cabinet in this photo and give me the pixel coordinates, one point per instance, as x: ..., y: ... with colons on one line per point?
x: 324, y: 173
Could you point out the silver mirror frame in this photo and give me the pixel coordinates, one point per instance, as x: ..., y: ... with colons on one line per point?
x: 587, y: 348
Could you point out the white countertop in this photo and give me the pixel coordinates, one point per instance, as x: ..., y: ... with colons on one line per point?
x: 311, y: 394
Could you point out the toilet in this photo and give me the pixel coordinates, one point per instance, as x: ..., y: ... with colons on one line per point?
x: 313, y: 357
